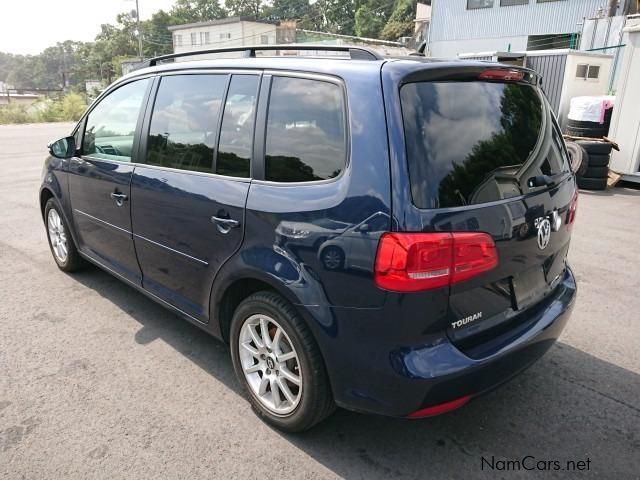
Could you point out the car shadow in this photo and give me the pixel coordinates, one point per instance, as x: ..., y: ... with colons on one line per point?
x: 569, y: 406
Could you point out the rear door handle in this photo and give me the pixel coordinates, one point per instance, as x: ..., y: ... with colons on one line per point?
x: 120, y: 198
x: 225, y: 224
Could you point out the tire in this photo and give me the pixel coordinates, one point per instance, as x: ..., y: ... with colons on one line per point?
x: 332, y: 258
x: 579, y: 158
x: 592, y: 183
x: 587, y: 132
x: 598, y: 148
x: 598, y: 160
x: 61, y: 242
x: 596, y: 172
x: 313, y: 400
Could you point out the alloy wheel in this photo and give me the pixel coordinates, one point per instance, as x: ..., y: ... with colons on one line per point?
x: 270, y: 364
x: 57, y: 236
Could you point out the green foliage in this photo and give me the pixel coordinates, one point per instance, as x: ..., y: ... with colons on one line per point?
x: 68, y: 107
x: 241, y: 8
x: 400, y: 23
x: 371, y: 17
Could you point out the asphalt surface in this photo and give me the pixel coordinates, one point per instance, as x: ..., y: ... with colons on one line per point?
x: 97, y: 381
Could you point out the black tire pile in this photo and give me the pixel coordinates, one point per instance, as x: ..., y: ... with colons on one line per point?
x: 580, y: 128
x: 595, y: 165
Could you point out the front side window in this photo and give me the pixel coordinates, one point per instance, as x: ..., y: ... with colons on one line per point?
x: 111, y: 125
x: 236, y: 134
x: 184, y: 121
x: 306, y: 133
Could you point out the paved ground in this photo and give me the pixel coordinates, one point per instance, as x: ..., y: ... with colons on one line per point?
x: 96, y: 381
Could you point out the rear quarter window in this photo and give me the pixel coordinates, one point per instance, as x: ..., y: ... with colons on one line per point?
x: 476, y: 142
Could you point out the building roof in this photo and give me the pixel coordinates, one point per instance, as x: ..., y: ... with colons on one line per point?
x: 221, y: 21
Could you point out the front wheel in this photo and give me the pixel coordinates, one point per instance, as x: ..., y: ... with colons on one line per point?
x: 61, y: 243
x: 279, y: 364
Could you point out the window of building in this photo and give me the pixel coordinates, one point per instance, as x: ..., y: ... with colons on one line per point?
x: 204, y: 38
x: 552, y: 41
x: 111, y: 125
x: 473, y: 4
x: 236, y: 134
x: 184, y: 121
x: 264, y: 39
x: 224, y: 36
x: 586, y: 71
x: 306, y: 135
x: 506, y: 3
x: 545, y: 1
x: 178, y: 40
x: 193, y: 39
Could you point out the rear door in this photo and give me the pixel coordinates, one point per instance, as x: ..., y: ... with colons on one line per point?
x: 188, y: 199
x: 100, y: 179
x: 484, y: 153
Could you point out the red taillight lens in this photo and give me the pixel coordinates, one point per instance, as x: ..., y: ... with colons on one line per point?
x: 501, y: 74
x: 411, y: 262
x: 573, y: 207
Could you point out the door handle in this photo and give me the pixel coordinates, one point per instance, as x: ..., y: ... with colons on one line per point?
x: 120, y: 198
x: 225, y: 224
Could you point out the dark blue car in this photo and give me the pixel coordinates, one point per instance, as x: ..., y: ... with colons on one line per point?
x: 387, y: 235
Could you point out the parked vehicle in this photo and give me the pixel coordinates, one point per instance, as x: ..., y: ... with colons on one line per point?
x: 199, y: 183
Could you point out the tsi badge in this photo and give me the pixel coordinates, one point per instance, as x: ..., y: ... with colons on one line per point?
x: 465, y: 320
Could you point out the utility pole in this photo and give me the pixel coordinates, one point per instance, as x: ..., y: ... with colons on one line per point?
x: 138, y: 31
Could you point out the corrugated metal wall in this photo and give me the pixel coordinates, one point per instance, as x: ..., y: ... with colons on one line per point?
x: 450, y: 19
x: 551, y: 68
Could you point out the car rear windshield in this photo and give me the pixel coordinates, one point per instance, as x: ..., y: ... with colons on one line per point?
x: 476, y: 142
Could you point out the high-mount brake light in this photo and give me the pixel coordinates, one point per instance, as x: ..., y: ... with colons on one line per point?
x: 412, y: 262
x: 501, y: 74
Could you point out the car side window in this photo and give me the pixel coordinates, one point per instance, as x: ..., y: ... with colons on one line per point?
x: 236, y: 134
x: 184, y: 121
x: 111, y: 125
x: 306, y: 137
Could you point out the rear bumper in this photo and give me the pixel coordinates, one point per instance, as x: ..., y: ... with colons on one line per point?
x: 399, y: 380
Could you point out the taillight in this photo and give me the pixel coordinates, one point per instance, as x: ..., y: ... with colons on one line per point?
x: 573, y: 207
x: 411, y: 262
x: 501, y: 74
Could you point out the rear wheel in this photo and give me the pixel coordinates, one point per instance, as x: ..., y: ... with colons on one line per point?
x: 61, y: 243
x: 279, y: 364
x: 332, y: 258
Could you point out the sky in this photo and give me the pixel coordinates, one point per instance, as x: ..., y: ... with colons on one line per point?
x: 30, y: 26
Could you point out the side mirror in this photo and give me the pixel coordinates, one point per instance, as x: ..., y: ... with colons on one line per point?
x: 364, y: 228
x: 63, y: 148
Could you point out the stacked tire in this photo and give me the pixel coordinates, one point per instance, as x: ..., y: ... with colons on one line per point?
x: 581, y: 128
x: 594, y: 173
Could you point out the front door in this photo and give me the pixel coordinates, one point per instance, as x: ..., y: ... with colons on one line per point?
x: 187, y: 214
x: 100, y: 180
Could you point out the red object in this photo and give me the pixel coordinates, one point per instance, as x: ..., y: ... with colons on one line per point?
x: 440, y: 408
x: 502, y: 74
x: 573, y: 207
x: 412, y: 262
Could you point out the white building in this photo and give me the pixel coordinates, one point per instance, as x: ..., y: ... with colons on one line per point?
x: 226, y: 32
x: 462, y: 26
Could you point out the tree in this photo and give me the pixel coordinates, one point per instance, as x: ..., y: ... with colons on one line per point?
x: 371, y: 17
x: 288, y: 10
x: 333, y: 16
x: 190, y: 11
x: 244, y: 8
x: 400, y: 22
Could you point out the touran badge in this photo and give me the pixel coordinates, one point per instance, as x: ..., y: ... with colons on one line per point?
x: 544, y: 232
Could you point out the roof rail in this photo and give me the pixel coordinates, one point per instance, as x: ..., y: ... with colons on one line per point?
x: 356, y: 53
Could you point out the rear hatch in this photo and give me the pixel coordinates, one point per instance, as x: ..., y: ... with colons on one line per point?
x: 485, y: 154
